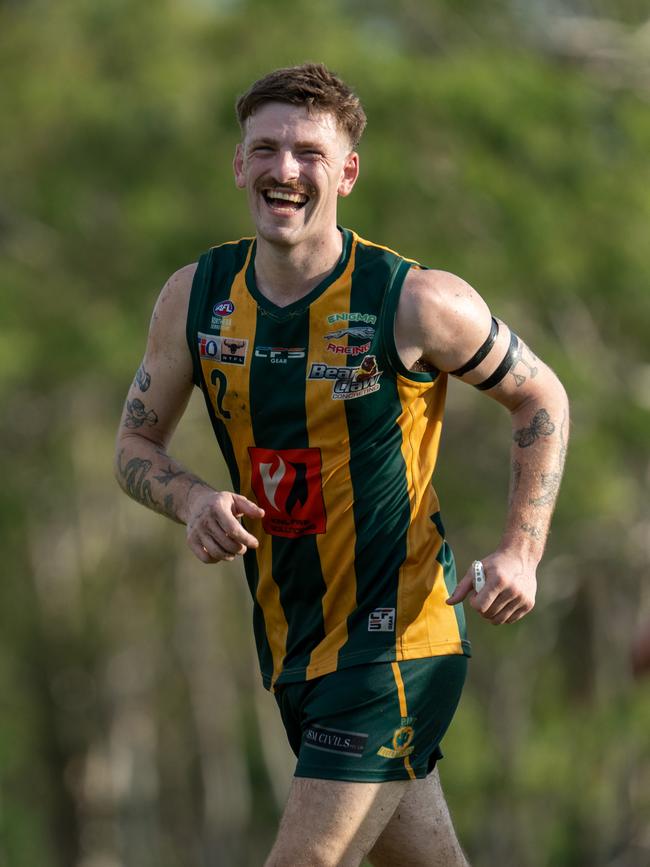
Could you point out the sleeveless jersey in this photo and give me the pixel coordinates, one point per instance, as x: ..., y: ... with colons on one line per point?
x: 322, y: 425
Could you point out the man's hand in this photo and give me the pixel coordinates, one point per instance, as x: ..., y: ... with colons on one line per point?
x: 214, y: 531
x: 509, y: 592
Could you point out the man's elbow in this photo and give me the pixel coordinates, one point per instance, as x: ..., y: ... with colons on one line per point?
x: 543, y: 391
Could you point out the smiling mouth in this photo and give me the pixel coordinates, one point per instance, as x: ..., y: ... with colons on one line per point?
x: 285, y: 201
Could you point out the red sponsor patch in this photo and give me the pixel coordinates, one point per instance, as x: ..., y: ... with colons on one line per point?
x: 288, y: 486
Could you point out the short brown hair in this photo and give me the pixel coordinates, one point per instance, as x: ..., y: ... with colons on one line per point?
x: 312, y: 85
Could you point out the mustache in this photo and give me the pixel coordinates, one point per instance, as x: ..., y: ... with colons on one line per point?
x: 270, y: 183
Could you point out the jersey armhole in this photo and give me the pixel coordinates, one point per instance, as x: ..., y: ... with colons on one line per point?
x: 387, y: 324
x: 198, y: 292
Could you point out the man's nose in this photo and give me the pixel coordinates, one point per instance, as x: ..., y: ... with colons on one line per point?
x: 286, y: 166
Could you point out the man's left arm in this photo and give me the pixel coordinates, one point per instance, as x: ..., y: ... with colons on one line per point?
x: 540, y: 427
x: 444, y: 320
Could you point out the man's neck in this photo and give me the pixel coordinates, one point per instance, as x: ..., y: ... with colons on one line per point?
x: 286, y: 274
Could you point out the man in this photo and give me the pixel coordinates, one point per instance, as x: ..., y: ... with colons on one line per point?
x: 323, y: 359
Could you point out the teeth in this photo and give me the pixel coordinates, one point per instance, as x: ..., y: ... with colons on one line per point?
x: 297, y: 198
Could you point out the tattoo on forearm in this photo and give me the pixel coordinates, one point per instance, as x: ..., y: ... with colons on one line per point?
x: 520, y: 378
x: 535, y: 532
x: 540, y: 426
x: 168, y: 474
x: 551, y: 484
x: 142, y: 378
x: 551, y: 481
x: 134, y: 479
x: 563, y: 442
x: 136, y: 484
x: 515, y: 478
x: 137, y: 414
x: 194, y: 481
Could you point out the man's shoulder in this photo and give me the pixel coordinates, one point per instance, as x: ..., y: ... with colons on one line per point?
x: 437, y: 290
x: 177, y: 289
x: 442, y: 315
x: 183, y: 277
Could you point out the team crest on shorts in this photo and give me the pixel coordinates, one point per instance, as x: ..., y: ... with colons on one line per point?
x: 402, y: 740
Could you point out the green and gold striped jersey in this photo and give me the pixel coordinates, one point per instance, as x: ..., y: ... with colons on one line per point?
x: 322, y: 425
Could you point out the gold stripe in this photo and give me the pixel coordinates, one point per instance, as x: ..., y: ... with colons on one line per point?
x: 425, y: 624
x: 403, y: 711
x: 327, y: 429
x: 242, y: 322
x: 401, y: 694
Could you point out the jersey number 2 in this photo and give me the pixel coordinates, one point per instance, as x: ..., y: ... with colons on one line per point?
x: 218, y: 378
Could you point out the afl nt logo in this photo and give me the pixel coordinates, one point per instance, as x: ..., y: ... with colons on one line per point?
x: 223, y: 308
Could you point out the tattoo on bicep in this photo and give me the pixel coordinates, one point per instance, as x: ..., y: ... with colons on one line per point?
x: 167, y: 475
x: 137, y: 414
x: 142, y: 378
x: 519, y: 358
x: 540, y: 426
x: 535, y: 532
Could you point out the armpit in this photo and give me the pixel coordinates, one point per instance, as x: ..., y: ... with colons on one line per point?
x: 422, y: 366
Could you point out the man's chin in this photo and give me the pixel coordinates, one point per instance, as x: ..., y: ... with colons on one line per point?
x: 283, y: 236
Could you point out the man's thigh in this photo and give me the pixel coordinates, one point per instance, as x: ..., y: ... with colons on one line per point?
x: 328, y: 823
x: 420, y: 832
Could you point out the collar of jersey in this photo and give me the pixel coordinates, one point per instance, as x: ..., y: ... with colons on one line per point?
x: 297, y: 307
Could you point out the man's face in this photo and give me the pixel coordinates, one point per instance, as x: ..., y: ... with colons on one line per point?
x: 294, y: 165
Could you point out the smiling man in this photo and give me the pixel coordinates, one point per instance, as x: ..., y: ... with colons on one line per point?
x: 323, y: 359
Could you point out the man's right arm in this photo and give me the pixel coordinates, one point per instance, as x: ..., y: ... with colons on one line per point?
x: 155, y: 403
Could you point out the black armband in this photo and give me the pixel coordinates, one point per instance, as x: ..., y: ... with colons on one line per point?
x: 506, y: 365
x: 481, y: 352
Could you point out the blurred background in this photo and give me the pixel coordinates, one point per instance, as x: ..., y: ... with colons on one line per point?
x: 509, y: 142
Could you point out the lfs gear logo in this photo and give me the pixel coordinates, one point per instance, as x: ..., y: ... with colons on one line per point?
x: 288, y: 486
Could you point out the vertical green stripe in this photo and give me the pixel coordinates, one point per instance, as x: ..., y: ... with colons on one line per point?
x: 280, y: 424
x: 381, y: 506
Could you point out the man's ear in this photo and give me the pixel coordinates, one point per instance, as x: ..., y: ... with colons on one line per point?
x: 238, y: 167
x: 349, y: 174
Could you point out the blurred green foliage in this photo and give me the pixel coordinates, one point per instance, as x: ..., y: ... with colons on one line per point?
x: 501, y: 147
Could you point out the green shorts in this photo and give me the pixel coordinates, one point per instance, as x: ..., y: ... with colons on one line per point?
x: 372, y: 723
